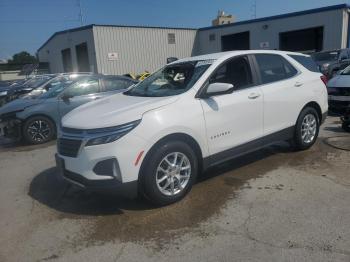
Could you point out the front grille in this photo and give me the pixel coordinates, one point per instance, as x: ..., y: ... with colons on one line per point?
x: 336, y: 91
x: 68, y: 147
x: 72, y: 130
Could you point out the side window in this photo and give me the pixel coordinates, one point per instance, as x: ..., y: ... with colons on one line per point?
x: 236, y: 72
x: 111, y: 84
x: 307, y: 62
x: 84, y: 87
x: 274, y: 68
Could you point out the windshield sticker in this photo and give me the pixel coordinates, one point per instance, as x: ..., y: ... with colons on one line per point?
x: 205, y: 62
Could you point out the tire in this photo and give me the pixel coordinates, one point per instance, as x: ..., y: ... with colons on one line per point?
x: 156, y: 167
x: 38, y: 130
x: 346, y: 127
x: 306, y: 133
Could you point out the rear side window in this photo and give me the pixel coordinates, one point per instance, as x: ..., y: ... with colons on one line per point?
x: 307, y: 62
x: 274, y: 68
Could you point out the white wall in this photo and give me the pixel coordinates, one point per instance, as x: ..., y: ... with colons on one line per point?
x: 51, y: 52
x: 139, y: 49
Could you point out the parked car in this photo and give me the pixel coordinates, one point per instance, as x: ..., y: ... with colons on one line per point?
x: 339, y: 92
x: 15, y: 91
x: 36, y: 119
x: 194, y: 113
x: 62, y: 79
x: 6, y: 87
x: 345, y: 119
x: 330, y: 62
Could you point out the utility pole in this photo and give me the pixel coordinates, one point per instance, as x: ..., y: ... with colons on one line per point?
x: 81, y: 18
x: 253, y: 9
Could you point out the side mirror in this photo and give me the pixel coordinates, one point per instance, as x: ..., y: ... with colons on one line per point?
x: 216, y: 89
x: 66, y: 96
x: 171, y: 59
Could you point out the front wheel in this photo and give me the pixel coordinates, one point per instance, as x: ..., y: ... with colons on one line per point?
x: 306, y: 129
x: 169, y: 173
x: 38, y: 130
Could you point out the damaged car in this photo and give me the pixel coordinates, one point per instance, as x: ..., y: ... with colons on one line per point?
x: 35, y: 119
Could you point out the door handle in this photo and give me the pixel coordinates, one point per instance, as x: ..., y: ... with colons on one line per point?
x: 297, y: 84
x: 254, y: 96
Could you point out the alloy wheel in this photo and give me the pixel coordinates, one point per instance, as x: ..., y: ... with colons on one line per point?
x: 173, y: 173
x: 39, y: 130
x: 308, y: 128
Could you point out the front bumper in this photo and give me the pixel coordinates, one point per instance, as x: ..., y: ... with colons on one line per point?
x: 81, y: 168
x: 11, y: 128
x: 112, y: 185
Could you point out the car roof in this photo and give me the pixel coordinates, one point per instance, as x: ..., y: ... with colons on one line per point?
x: 228, y: 54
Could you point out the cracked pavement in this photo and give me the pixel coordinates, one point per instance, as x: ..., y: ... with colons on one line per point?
x: 271, y: 205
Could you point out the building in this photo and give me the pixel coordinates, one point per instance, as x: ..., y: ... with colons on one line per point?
x: 307, y: 31
x: 223, y: 19
x: 111, y: 49
x: 122, y: 49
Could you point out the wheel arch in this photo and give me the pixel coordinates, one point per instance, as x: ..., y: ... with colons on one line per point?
x: 42, y: 115
x: 315, y: 106
x: 174, y: 137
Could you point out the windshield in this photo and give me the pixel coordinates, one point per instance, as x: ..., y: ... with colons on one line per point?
x: 326, y: 56
x: 37, y: 81
x: 57, y: 86
x: 170, y: 80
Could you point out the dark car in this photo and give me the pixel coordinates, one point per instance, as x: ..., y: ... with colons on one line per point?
x: 35, y: 119
x: 38, y: 81
x: 330, y: 62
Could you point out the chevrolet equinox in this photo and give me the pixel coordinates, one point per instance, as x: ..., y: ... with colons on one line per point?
x: 156, y: 137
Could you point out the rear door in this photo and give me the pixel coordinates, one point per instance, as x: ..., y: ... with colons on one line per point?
x: 79, y: 93
x: 236, y: 118
x: 281, y: 84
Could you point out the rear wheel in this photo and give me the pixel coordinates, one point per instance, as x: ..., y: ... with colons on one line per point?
x: 307, y: 128
x: 38, y: 130
x: 346, y: 126
x: 169, y: 173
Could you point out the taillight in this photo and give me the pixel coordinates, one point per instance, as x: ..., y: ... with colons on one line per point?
x: 324, y: 79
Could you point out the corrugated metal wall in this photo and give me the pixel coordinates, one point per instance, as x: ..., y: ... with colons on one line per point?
x: 51, y: 52
x: 139, y: 49
x: 335, y: 31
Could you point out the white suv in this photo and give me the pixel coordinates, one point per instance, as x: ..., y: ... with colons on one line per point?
x: 194, y: 113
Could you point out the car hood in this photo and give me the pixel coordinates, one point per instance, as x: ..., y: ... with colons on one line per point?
x: 113, y: 111
x: 340, y: 81
x: 18, y: 105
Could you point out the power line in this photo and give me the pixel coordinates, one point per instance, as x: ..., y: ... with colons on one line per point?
x: 253, y: 8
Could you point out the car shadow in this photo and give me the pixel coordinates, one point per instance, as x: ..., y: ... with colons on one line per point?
x: 51, y: 190
x: 17, y: 145
x: 335, y: 129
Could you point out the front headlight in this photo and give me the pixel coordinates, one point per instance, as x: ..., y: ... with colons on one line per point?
x: 3, y: 93
x: 109, y: 134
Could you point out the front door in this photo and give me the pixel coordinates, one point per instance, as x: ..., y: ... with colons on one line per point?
x: 237, y: 118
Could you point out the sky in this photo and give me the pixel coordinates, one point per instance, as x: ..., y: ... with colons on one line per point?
x: 26, y: 24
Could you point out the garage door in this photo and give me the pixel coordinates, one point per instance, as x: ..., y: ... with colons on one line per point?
x: 306, y: 40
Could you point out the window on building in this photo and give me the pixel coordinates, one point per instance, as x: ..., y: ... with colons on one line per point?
x: 236, y: 72
x: 171, y: 38
x: 212, y: 37
x: 274, y: 68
